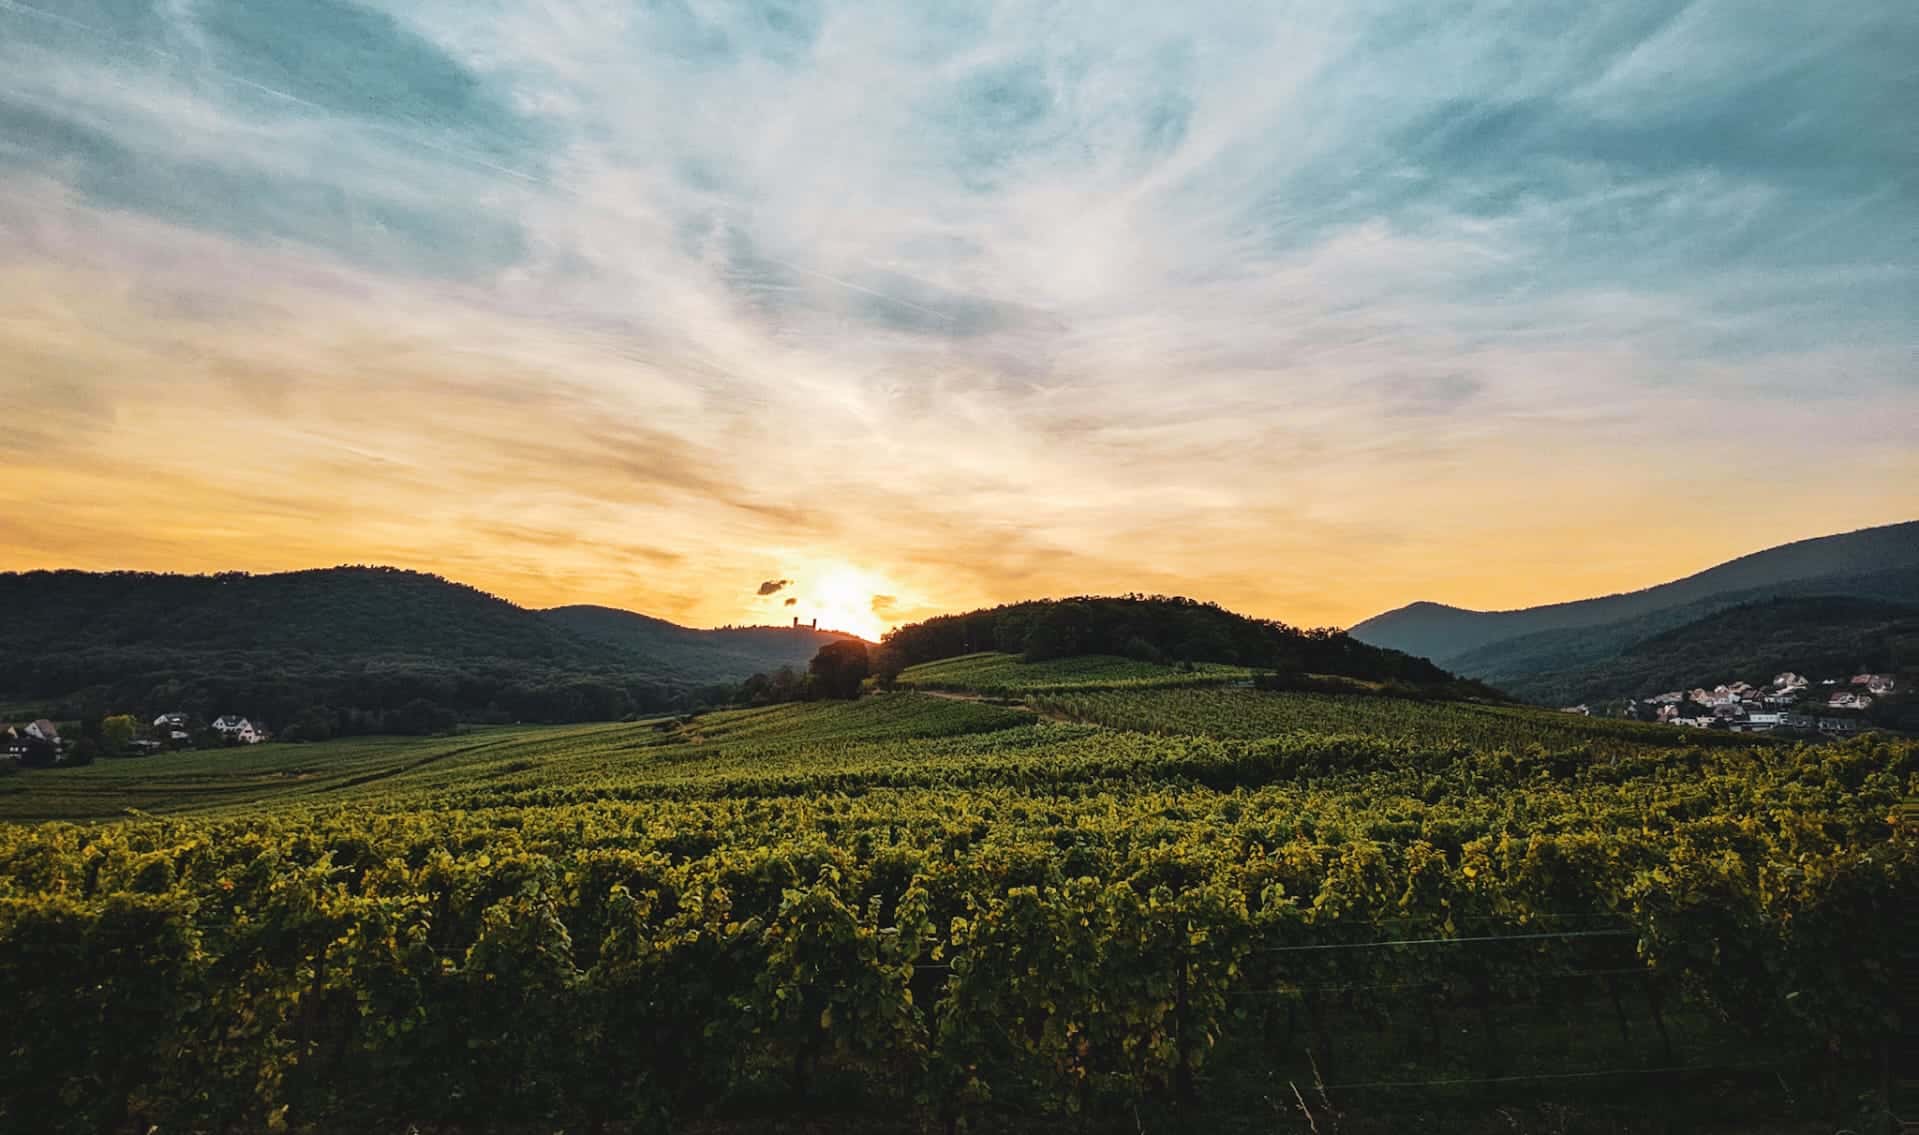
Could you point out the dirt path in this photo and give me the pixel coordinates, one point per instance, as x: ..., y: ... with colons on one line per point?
x: 1003, y: 703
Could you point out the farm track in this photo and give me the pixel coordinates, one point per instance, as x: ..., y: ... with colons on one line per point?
x: 1005, y: 703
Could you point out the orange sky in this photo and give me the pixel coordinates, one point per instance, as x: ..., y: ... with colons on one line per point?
x: 345, y: 419
x: 650, y: 305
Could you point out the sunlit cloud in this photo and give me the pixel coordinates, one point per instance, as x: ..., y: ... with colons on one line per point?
x: 1312, y: 311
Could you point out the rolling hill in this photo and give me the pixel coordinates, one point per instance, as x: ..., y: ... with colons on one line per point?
x: 1817, y: 635
x: 1160, y: 630
x: 1853, y: 563
x: 723, y: 654
x: 354, y: 639
x: 1569, y: 652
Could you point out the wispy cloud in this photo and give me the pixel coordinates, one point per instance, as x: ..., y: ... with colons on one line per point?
x: 1306, y: 309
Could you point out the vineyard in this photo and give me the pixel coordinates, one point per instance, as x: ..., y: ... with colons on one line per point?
x: 1113, y: 909
x: 1005, y: 675
x: 1246, y: 715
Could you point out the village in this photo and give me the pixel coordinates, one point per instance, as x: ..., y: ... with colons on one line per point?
x: 1789, y: 702
x: 39, y: 743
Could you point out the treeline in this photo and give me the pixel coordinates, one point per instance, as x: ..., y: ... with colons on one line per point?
x: 838, y: 671
x: 1156, y: 628
x: 276, y: 689
x: 307, y: 700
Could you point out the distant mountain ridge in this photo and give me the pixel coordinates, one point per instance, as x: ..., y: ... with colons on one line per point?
x: 356, y: 637
x: 1822, y: 636
x: 1571, y: 652
x: 1444, y: 633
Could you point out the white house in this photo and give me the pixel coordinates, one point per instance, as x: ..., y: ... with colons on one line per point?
x: 1846, y: 700
x: 170, y: 721
x: 44, y: 730
x: 237, y: 728
x: 1760, y: 723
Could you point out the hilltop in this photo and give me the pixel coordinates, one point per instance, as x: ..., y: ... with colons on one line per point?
x: 701, y: 656
x: 1163, y: 630
x: 1563, y: 652
x: 351, y: 638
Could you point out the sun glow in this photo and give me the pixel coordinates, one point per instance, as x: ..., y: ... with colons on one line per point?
x: 843, y: 598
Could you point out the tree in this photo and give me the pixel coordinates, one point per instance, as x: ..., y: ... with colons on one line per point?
x: 887, y: 665
x: 420, y: 717
x: 839, y: 668
x: 116, y: 733
x: 314, y: 723
x: 1056, y: 633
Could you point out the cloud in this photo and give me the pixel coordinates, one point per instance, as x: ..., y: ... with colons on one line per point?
x: 791, y: 601
x: 885, y: 606
x: 1429, y: 394
x: 988, y: 300
x: 772, y: 585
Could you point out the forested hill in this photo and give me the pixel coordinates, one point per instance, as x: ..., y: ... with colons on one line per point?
x: 1852, y: 563
x: 1822, y: 636
x: 1160, y: 629
x: 354, y: 640
x: 723, y: 654
x: 328, y: 611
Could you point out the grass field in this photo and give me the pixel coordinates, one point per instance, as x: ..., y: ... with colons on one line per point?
x: 1112, y: 907
x: 1004, y: 675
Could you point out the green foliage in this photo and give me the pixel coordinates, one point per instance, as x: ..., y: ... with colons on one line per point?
x: 116, y: 732
x: 1318, y: 717
x: 1823, y: 637
x: 965, y: 913
x: 420, y: 717
x: 1006, y: 675
x: 839, y: 669
x: 1865, y: 620
x: 1149, y: 629
x: 359, y: 642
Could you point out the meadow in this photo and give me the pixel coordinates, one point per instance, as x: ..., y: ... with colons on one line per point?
x: 1111, y: 908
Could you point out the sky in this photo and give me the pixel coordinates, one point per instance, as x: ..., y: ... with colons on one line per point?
x: 1308, y: 309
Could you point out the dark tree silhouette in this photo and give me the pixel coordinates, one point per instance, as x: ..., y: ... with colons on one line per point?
x: 839, y: 668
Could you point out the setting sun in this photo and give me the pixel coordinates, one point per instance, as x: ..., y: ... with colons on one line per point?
x: 844, y: 598
x: 974, y: 566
